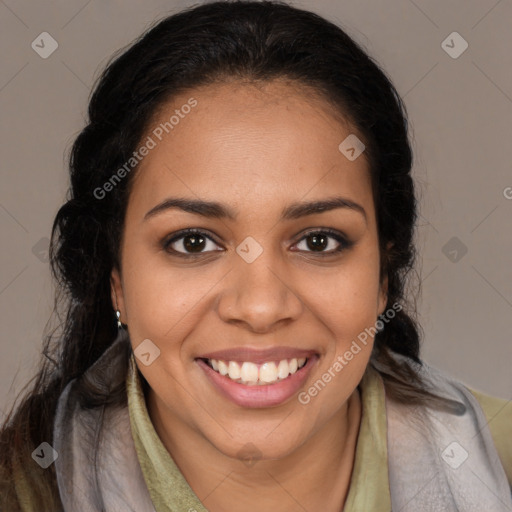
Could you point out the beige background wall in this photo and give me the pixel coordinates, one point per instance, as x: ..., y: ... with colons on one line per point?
x: 460, y: 113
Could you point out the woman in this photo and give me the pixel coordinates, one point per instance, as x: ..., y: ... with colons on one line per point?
x: 233, y: 256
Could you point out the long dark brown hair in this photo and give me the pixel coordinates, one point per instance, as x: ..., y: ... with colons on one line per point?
x: 253, y: 41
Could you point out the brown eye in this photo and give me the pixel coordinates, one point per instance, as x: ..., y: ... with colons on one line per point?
x: 317, y: 242
x: 190, y: 243
x: 324, y: 242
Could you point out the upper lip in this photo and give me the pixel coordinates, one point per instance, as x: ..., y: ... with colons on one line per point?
x: 258, y: 356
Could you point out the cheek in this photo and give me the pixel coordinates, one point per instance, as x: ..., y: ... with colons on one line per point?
x: 348, y: 296
x: 160, y: 296
x: 347, y: 305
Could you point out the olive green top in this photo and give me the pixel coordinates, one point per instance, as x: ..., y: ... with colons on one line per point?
x: 369, y: 485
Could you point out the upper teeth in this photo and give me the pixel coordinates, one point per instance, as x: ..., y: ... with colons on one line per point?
x: 251, y: 373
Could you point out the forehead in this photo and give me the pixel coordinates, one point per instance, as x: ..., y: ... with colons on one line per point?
x: 258, y: 145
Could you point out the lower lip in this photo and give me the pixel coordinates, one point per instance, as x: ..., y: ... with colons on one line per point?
x: 266, y: 395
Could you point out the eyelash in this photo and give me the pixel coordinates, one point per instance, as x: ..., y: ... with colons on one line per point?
x: 344, y: 243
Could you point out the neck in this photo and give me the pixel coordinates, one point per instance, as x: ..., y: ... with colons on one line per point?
x: 315, y: 476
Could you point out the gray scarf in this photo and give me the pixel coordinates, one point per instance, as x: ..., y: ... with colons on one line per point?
x: 437, y: 461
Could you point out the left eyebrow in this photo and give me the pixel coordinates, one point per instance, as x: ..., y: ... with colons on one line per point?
x: 297, y: 210
x: 217, y: 210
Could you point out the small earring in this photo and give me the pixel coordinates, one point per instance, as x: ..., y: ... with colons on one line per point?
x: 119, y: 324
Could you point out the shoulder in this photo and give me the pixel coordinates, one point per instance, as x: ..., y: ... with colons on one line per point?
x: 498, y: 413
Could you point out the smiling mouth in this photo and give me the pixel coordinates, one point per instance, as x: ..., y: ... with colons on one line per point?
x: 252, y: 374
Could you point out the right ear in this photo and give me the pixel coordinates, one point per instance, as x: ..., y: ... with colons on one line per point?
x: 116, y: 293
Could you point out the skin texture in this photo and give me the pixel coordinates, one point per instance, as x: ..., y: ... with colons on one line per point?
x: 256, y: 150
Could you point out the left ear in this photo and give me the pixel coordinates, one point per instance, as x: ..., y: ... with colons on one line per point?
x: 383, y: 295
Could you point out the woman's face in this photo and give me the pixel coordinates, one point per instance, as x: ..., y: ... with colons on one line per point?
x: 263, y: 279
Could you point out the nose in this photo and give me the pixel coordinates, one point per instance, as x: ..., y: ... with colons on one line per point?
x: 259, y: 295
